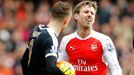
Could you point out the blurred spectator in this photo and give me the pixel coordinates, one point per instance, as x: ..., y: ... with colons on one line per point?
x: 19, y: 17
x: 132, y: 63
x: 6, y: 62
x: 104, y: 11
x: 42, y: 14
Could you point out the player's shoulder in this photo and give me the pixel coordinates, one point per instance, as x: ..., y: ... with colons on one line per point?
x: 100, y: 35
x: 69, y: 36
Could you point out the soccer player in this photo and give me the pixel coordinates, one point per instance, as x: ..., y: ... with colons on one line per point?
x: 40, y: 56
x: 89, y: 51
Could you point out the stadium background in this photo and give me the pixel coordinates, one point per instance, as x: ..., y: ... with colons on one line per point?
x: 18, y: 18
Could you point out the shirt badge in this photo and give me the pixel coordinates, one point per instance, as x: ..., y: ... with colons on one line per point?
x: 109, y: 47
x: 94, y: 47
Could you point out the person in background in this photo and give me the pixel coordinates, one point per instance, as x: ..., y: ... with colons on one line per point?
x: 89, y: 51
x: 6, y: 61
x: 40, y: 56
x: 132, y: 67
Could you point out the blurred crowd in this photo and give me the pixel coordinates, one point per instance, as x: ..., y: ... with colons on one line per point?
x: 18, y: 18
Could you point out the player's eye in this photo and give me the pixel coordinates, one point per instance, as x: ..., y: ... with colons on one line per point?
x: 92, y: 13
x: 86, y: 12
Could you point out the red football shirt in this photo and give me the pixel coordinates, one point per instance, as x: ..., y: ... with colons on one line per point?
x: 89, y: 55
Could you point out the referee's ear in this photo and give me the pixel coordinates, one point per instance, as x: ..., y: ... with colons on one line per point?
x: 65, y: 21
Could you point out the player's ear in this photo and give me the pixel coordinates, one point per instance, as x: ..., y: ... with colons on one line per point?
x: 76, y: 16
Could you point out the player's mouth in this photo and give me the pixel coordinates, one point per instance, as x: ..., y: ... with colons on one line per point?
x: 89, y: 20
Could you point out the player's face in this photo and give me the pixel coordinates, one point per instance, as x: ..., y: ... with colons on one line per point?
x: 86, y: 16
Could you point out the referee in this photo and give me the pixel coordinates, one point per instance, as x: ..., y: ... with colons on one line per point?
x: 40, y: 56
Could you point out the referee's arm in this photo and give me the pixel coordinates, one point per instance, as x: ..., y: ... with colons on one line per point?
x: 51, y: 66
x: 24, y: 62
x: 51, y: 56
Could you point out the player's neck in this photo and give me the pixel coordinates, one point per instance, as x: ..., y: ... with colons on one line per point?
x: 83, y: 33
x: 56, y: 26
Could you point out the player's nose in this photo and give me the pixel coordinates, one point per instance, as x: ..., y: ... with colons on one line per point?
x: 89, y: 15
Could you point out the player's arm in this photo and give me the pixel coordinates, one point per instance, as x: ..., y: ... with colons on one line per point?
x: 62, y: 54
x: 51, y: 55
x: 110, y: 56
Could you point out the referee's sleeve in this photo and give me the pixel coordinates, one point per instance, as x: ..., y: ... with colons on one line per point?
x: 24, y: 61
x: 51, y: 66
